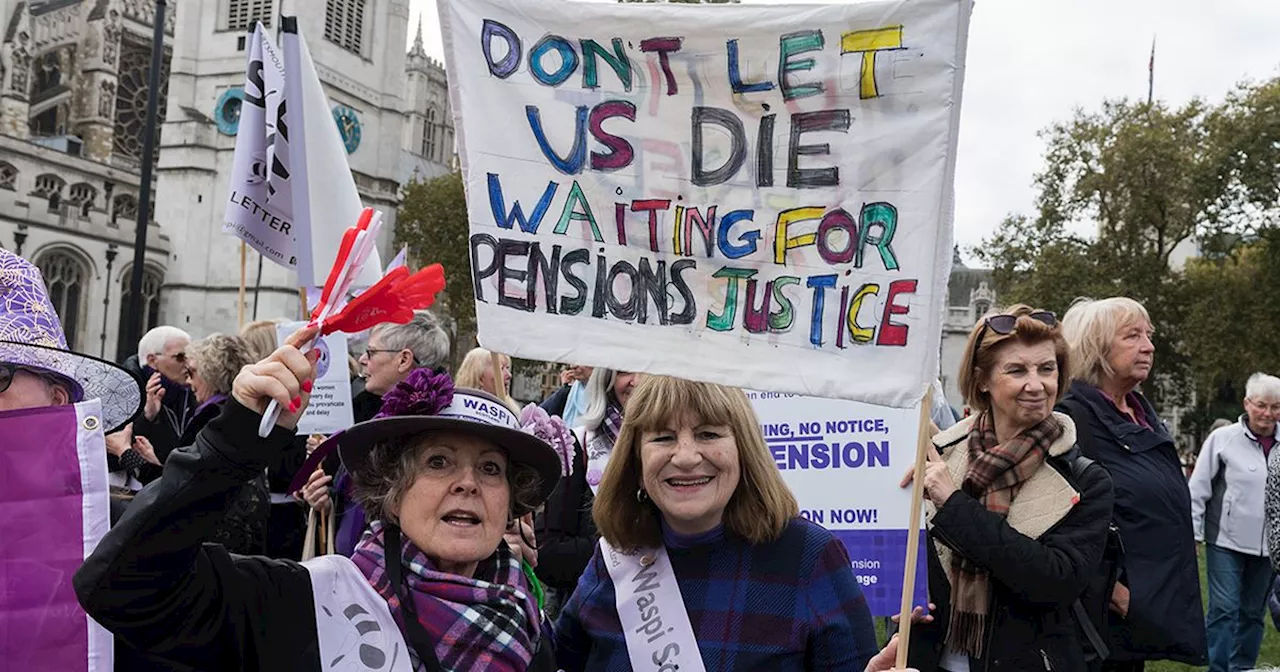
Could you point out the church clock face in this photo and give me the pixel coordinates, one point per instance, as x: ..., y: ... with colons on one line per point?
x: 348, y: 127
x: 227, y: 112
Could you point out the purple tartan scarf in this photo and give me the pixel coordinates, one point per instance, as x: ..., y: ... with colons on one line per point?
x: 612, y: 423
x: 485, y: 623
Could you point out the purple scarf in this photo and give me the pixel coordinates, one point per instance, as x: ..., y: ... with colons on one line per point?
x: 215, y: 399
x: 489, y: 622
x: 612, y: 423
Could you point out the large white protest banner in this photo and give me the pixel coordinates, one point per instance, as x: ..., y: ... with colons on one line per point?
x: 330, y: 409
x: 292, y: 195
x: 752, y: 195
x: 844, y: 460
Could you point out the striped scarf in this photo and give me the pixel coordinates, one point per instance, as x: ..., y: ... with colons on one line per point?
x: 489, y: 622
x: 996, y: 474
x: 611, y: 426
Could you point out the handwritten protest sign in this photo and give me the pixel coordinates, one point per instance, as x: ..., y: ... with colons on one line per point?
x: 751, y: 195
x: 330, y: 409
x: 844, y: 460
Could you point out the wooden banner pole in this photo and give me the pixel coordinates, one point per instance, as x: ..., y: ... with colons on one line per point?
x: 923, y: 444
x: 498, y: 383
x: 243, y: 280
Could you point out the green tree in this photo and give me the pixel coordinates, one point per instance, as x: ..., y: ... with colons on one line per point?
x: 432, y: 221
x: 1120, y: 190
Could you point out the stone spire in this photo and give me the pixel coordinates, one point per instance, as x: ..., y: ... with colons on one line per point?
x: 418, y: 49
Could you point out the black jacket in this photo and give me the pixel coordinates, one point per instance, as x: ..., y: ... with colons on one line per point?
x: 1153, y: 514
x: 566, y: 533
x: 1040, y: 559
x: 153, y: 583
x: 554, y: 404
x: 172, y: 425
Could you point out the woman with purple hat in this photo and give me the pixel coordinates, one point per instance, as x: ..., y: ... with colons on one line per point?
x: 432, y: 585
x: 36, y: 367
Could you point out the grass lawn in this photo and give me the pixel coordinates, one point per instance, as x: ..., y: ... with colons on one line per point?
x: 1270, y: 641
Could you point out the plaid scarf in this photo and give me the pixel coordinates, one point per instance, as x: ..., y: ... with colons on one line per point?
x: 488, y: 623
x: 996, y: 474
x: 612, y: 423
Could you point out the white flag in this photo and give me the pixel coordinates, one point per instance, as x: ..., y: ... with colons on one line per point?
x: 252, y: 215
x: 401, y: 259
x: 325, y: 200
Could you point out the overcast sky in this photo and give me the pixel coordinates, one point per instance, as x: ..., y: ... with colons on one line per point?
x: 1031, y: 62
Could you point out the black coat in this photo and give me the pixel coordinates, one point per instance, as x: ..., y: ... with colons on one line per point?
x: 554, y: 404
x: 1039, y: 559
x: 154, y: 584
x: 566, y: 533
x: 1153, y: 514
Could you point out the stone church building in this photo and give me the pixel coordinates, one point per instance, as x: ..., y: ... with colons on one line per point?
x: 73, y: 93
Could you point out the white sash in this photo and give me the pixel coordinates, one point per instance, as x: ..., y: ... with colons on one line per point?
x: 598, y: 450
x: 354, y: 625
x: 652, y: 612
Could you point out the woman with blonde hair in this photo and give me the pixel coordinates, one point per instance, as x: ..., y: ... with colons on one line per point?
x: 693, y: 516
x: 260, y: 337
x: 1155, y: 610
x: 476, y: 372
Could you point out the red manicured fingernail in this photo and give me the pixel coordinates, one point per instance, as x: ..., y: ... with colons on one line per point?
x: 306, y: 386
x: 293, y: 405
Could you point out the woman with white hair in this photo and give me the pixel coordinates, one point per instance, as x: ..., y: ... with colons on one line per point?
x: 1154, y: 606
x: 569, y: 535
x: 1228, y: 499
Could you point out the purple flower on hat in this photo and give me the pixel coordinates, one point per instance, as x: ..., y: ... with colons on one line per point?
x: 550, y: 428
x: 424, y: 392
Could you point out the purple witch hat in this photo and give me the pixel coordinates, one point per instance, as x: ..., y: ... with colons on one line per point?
x: 31, y: 337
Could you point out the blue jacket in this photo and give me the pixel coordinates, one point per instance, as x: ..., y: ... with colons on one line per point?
x: 1153, y: 514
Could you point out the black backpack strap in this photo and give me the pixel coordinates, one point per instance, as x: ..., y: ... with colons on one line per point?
x: 414, y: 632
x: 1091, y: 633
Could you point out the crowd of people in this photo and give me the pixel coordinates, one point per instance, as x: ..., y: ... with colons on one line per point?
x: 639, y: 521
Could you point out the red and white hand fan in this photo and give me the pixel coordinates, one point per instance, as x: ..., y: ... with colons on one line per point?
x: 392, y: 300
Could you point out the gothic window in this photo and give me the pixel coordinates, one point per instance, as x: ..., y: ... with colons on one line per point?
x: 242, y: 14
x: 82, y: 196
x: 66, y: 279
x: 344, y: 24
x: 131, y: 97
x: 151, y: 283
x: 46, y: 75
x: 429, y: 135
x: 124, y: 205
x: 49, y: 186
x: 8, y: 176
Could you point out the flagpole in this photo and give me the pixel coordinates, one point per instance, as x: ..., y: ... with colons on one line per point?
x: 1151, y: 73
x: 134, y: 308
x: 243, y: 280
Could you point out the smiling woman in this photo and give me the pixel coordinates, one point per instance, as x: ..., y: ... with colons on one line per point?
x: 1017, y: 525
x: 693, y: 512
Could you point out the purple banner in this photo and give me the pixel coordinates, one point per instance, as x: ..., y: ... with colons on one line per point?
x: 53, y: 511
x: 879, y: 559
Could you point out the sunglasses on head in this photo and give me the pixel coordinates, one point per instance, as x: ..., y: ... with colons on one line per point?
x: 1006, y: 324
